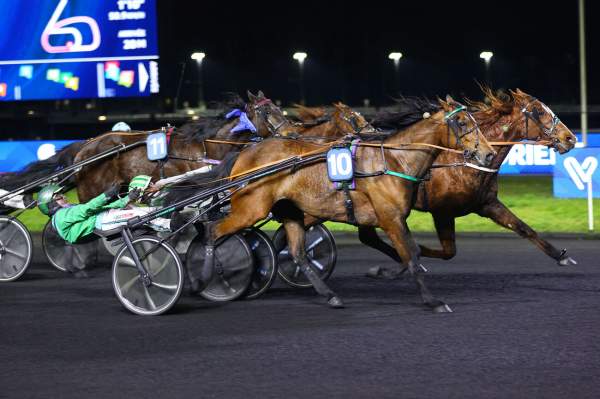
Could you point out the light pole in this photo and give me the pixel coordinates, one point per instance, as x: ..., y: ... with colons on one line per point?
x: 199, y: 57
x: 583, y: 74
x: 300, y: 57
x: 486, y: 56
x: 395, y: 56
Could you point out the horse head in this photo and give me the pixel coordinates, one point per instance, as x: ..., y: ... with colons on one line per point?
x: 466, y: 132
x: 540, y: 123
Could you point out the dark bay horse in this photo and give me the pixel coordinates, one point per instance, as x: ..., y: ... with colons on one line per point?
x: 382, y: 198
x: 458, y: 191
x: 187, y: 148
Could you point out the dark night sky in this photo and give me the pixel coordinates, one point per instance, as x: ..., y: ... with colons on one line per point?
x: 249, y: 46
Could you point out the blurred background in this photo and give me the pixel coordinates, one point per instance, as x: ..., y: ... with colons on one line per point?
x: 71, y: 69
x: 363, y: 56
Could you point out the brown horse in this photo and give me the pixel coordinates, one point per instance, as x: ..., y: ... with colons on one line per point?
x: 383, y: 198
x: 188, y: 148
x: 459, y: 191
x: 318, y: 125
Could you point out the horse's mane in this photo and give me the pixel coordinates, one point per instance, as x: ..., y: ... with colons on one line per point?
x: 208, y: 126
x: 309, y: 114
x: 498, y: 105
x: 408, y: 111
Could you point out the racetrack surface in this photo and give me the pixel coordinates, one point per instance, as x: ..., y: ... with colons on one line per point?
x: 522, y: 327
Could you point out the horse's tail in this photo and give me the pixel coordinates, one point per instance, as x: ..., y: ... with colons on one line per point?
x: 213, y: 178
x: 39, y: 169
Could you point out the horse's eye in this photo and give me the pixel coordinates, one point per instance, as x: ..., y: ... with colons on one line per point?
x: 462, y: 124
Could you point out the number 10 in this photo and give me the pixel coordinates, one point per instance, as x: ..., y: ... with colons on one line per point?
x: 340, y: 164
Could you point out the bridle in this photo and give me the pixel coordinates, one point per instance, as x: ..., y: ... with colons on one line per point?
x: 353, y: 121
x: 460, y: 131
x: 263, y: 111
x: 534, y: 115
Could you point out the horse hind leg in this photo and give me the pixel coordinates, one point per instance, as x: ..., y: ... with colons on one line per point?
x: 446, y: 232
x: 368, y: 236
x: 245, y: 212
x: 295, y: 233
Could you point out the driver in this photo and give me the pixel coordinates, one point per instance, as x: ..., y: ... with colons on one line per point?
x: 75, y: 222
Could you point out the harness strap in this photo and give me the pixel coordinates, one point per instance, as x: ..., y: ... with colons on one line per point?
x: 349, y: 204
x: 401, y: 175
x: 423, y: 187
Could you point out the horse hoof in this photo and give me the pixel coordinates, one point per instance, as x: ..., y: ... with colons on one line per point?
x: 382, y: 273
x: 335, y: 302
x: 444, y: 308
x: 566, y: 261
x: 374, y: 272
x: 197, y: 286
x: 80, y: 274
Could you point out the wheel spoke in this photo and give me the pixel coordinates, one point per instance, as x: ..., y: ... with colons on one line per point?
x: 314, y: 244
x: 149, y: 299
x: 316, y: 263
x: 226, y: 284
x: 125, y: 287
x: 166, y: 287
x: 126, y: 261
x: 296, y: 272
x: 160, y: 268
x: 9, y: 239
x: 78, y: 255
x: 241, y: 266
x: 15, y: 253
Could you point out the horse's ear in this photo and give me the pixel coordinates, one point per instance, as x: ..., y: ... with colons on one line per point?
x: 261, y: 94
x: 449, y: 99
x: 520, y: 93
x: 445, y: 106
x: 251, y: 96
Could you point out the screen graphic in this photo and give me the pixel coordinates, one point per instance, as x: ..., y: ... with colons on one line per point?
x: 63, y: 49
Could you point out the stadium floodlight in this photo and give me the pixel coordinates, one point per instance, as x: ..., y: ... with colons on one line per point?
x: 198, y: 56
x: 300, y: 56
x: 395, y: 56
x: 486, y: 56
x: 102, y: 118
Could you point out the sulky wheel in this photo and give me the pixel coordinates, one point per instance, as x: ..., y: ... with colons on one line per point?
x: 320, y: 251
x: 166, y: 277
x: 65, y: 256
x: 265, y: 263
x: 15, y: 249
x: 113, y: 245
x: 233, y: 267
x: 181, y: 242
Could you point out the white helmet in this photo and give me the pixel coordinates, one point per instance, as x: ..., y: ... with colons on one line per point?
x: 121, y: 127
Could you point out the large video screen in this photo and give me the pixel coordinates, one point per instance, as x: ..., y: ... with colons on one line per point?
x: 63, y: 49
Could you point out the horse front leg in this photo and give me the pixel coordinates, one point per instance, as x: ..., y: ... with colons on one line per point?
x: 245, y: 212
x: 500, y: 214
x: 398, y: 232
x: 296, y: 234
x: 446, y: 232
